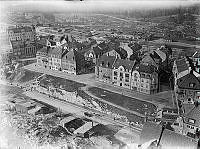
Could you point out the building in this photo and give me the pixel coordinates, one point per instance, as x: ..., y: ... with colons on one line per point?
x: 181, y: 68
x: 23, y: 33
x: 103, y: 68
x: 122, y: 70
x: 72, y: 62
x: 168, y: 138
x: 54, y: 57
x: 96, y: 52
x: 145, y: 79
x: 188, y: 91
x: 23, y: 49
x: 42, y: 57
x: 191, y: 123
x: 196, y: 61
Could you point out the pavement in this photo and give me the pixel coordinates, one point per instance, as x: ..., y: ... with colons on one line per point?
x: 160, y: 99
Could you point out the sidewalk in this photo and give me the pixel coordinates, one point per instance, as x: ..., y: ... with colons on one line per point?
x: 161, y: 99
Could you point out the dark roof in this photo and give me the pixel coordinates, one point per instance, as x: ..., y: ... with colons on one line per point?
x: 72, y: 56
x: 56, y: 51
x: 182, y: 65
x: 194, y: 114
x: 189, y: 81
x: 106, y: 61
x: 169, y: 138
x: 127, y: 64
x: 146, y: 68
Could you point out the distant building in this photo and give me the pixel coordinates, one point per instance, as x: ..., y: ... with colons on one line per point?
x: 103, y: 68
x: 122, y: 70
x: 24, y: 49
x: 145, y: 79
x: 22, y: 33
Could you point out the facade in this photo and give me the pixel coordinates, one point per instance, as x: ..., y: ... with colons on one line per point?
x: 42, y: 57
x: 103, y: 69
x: 22, y: 33
x: 24, y: 49
x: 54, y: 58
x: 122, y: 70
x: 72, y: 62
x: 145, y: 79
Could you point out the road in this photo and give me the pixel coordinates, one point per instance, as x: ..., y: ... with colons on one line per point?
x: 157, y: 99
x: 68, y: 107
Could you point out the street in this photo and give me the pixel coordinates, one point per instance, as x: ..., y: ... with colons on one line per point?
x: 89, y: 79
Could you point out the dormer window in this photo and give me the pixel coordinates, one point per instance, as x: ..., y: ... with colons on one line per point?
x: 191, y: 121
x: 191, y: 84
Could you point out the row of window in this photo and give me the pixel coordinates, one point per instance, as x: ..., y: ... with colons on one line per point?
x: 191, y: 127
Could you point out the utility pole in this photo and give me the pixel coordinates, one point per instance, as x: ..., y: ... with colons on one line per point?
x: 163, y: 128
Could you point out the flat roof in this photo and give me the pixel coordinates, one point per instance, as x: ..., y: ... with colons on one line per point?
x: 87, y: 126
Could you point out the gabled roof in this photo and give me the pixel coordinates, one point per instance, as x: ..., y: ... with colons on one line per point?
x: 182, y: 65
x: 145, y: 68
x: 127, y: 64
x: 106, y: 61
x: 189, y: 81
x: 72, y: 55
x: 148, y: 59
x: 194, y: 114
x: 169, y: 139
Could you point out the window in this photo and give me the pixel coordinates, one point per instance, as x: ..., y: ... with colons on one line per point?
x: 115, y: 73
x: 142, y: 80
x: 115, y: 78
x: 142, y: 75
x: 191, y: 84
x: 121, y: 74
x: 142, y: 85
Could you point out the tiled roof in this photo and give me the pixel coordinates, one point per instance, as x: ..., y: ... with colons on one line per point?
x: 189, y: 81
x: 182, y: 65
x: 194, y: 114
x: 127, y: 64
x: 106, y: 61
x: 145, y: 68
x: 169, y: 138
x: 56, y: 51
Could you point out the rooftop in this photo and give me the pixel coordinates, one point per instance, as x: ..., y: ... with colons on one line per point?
x: 189, y: 81
x: 106, y: 61
x: 169, y: 140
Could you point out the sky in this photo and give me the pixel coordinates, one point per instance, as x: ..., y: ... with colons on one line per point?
x: 60, y: 5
